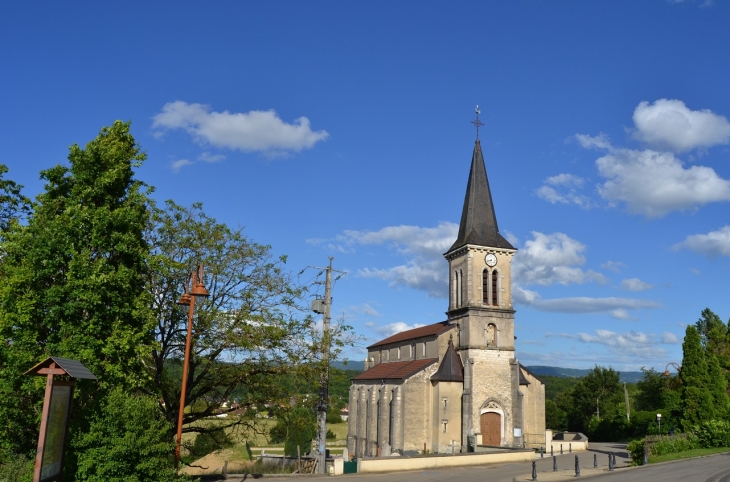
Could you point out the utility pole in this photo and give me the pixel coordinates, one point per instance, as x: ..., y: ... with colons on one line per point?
x: 324, y: 307
x: 626, y: 397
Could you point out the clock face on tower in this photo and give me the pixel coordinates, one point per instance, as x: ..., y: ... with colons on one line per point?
x: 491, y: 260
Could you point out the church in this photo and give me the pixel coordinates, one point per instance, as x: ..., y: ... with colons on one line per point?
x: 454, y: 386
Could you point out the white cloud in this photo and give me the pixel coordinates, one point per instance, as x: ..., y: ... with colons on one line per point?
x: 208, y: 157
x: 669, y: 338
x: 392, y: 328
x: 632, y: 343
x: 179, y: 164
x: 655, y: 183
x: 635, y: 284
x: 563, y: 189
x: 364, y: 309
x: 424, y: 268
x: 513, y: 240
x: 669, y: 123
x: 564, y: 179
x: 585, y: 304
x: 600, y: 141
x: 552, y: 259
x: 621, y: 314
x: 254, y: 131
x: 615, y: 266
x: 714, y: 243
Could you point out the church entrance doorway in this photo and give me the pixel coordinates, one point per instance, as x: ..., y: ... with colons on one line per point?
x: 491, y: 425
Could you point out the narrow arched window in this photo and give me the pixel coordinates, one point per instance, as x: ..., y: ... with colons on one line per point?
x: 485, y: 286
x: 457, y: 290
x: 494, y: 288
x: 463, y: 288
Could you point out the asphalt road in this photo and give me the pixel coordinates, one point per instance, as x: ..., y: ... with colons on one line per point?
x: 714, y: 468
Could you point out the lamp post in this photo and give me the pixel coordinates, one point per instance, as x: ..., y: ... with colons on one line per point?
x: 666, y: 370
x: 188, y: 299
x: 659, y: 421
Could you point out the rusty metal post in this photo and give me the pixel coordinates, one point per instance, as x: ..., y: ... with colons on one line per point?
x: 184, y: 388
x: 44, y: 423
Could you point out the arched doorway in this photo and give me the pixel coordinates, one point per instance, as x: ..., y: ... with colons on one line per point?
x: 491, y: 427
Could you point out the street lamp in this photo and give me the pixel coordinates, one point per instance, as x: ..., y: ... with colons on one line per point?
x: 666, y: 370
x: 659, y: 421
x: 188, y: 299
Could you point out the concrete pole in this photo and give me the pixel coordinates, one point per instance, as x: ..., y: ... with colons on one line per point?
x: 324, y: 386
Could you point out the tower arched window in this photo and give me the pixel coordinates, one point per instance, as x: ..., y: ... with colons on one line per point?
x: 457, y: 289
x: 463, y: 288
x: 495, y: 290
x: 485, y: 286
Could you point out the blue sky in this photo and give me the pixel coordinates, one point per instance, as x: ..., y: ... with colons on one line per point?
x: 342, y: 129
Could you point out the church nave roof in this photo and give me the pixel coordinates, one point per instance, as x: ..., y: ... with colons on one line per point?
x: 428, y: 330
x: 395, y: 370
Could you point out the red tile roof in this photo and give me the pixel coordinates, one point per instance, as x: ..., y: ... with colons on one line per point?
x: 421, y: 332
x: 395, y: 370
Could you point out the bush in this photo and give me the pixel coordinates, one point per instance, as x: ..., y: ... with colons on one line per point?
x: 333, y: 415
x: 208, y: 442
x: 674, y: 445
x: 128, y: 440
x: 713, y: 433
x: 16, y: 469
x: 331, y: 435
x: 635, y: 448
x: 296, y: 427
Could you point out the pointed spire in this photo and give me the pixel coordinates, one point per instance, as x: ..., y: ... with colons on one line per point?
x: 478, y: 221
x: 451, y: 368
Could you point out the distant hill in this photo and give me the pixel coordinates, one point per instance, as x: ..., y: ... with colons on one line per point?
x: 628, y: 377
x: 351, y: 365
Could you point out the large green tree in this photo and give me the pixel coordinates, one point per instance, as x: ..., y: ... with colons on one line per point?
x: 696, y: 397
x: 247, y: 335
x: 73, y: 284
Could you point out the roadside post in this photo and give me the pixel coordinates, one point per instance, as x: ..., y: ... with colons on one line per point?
x: 56, y: 414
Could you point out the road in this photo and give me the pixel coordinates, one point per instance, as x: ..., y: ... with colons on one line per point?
x: 714, y: 468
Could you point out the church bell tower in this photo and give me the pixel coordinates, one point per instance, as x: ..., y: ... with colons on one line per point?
x: 480, y: 304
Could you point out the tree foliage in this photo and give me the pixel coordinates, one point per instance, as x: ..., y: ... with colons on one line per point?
x: 247, y: 334
x: 73, y: 283
x: 696, y: 398
x: 128, y: 440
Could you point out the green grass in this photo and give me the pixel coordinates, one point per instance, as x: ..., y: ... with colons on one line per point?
x: 687, y: 454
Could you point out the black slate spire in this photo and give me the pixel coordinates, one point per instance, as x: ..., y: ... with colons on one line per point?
x: 478, y: 221
x: 451, y: 369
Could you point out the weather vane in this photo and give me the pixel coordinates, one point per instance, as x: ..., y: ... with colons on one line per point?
x: 476, y: 122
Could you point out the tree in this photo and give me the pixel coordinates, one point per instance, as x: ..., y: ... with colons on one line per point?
x: 296, y: 427
x: 13, y: 204
x: 717, y: 386
x: 713, y: 332
x: 128, y: 439
x: 247, y: 335
x: 73, y: 285
x: 696, y: 398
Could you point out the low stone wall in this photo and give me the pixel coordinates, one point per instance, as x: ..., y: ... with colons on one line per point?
x: 396, y: 464
x: 570, y: 442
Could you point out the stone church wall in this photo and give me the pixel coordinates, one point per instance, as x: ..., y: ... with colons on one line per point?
x: 492, y: 381
x: 534, y: 406
x: 446, y: 403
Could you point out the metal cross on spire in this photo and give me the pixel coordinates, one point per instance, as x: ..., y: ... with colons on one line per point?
x: 476, y: 121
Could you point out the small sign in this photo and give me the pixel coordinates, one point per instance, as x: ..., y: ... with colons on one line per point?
x: 518, y: 432
x: 55, y: 431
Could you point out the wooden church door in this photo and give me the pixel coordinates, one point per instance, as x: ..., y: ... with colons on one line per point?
x: 491, y: 425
